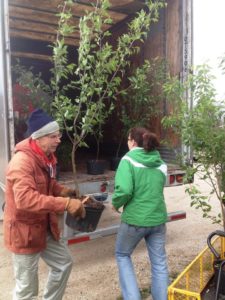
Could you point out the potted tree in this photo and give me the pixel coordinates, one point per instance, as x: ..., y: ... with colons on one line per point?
x: 140, y: 99
x: 201, y: 128
x: 97, y: 166
x: 96, y: 75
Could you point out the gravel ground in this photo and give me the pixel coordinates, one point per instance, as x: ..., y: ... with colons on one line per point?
x: 94, y: 275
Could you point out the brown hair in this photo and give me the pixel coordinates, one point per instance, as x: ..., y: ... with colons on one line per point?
x: 144, y: 138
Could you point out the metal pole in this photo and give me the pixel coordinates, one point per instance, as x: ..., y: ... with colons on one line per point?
x: 6, y: 111
x: 187, y: 29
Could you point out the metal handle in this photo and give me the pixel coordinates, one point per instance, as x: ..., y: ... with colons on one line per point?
x: 217, y: 232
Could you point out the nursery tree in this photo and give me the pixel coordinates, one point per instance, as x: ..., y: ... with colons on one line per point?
x: 202, y: 129
x: 94, y: 79
x: 139, y: 100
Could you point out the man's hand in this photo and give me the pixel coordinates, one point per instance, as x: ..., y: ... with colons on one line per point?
x: 75, y: 208
x: 66, y: 192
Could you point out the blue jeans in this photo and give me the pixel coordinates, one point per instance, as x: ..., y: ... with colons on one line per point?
x: 128, y: 238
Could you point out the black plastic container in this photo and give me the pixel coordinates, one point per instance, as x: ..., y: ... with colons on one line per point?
x: 96, y: 167
x: 89, y: 223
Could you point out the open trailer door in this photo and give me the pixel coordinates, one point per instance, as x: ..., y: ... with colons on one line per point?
x: 6, y: 111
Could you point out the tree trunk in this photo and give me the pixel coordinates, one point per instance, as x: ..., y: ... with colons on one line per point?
x: 73, y: 160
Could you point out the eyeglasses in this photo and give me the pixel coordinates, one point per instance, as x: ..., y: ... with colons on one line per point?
x: 55, y: 136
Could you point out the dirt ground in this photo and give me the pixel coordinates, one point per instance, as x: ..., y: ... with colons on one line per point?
x: 94, y: 275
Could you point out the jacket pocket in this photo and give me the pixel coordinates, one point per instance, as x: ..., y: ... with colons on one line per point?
x: 19, y: 235
x: 37, y: 235
x: 25, y: 235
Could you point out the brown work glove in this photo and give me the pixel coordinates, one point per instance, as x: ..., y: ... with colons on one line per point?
x: 66, y: 192
x: 75, y: 208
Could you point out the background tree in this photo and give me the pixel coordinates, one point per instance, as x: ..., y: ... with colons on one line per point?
x: 140, y: 100
x: 202, y: 129
x: 35, y: 92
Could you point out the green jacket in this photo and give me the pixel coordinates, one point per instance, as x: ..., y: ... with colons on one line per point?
x: 139, y: 184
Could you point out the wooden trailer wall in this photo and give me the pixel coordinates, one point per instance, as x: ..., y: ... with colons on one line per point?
x: 170, y: 39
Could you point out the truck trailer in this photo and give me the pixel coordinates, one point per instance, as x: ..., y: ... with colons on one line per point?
x: 28, y: 27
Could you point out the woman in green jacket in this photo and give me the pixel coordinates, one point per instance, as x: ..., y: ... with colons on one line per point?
x: 139, y: 185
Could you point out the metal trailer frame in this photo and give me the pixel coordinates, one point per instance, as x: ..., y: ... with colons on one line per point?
x: 187, y: 28
x: 84, y: 237
x: 73, y: 236
x: 6, y: 106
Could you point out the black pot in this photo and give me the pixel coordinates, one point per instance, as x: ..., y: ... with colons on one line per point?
x: 114, y: 162
x: 89, y: 223
x: 95, y: 167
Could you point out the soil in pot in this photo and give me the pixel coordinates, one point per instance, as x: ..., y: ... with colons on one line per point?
x: 100, y: 196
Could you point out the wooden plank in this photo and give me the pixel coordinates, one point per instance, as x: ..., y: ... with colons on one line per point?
x: 113, y: 3
x: 31, y: 55
x: 41, y: 5
x: 37, y: 27
x: 77, y: 9
x: 50, y: 38
x: 174, y: 41
x: 33, y: 15
x: 41, y: 16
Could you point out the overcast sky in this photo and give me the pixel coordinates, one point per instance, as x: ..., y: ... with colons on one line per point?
x: 209, y: 36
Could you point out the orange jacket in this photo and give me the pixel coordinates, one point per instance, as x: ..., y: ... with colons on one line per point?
x: 32, y: 202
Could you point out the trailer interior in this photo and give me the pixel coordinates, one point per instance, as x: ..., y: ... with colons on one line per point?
x: 33, y: 27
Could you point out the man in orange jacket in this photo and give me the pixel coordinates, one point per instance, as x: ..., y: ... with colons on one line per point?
x: 34, y: 201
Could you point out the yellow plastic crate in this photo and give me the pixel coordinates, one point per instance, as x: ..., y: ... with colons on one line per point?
x: 192, y: 281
